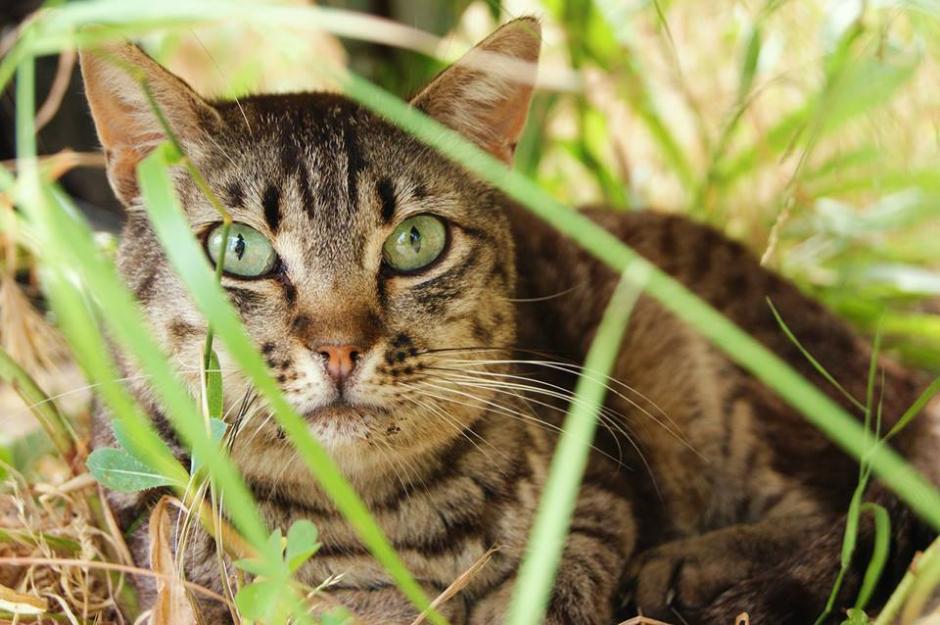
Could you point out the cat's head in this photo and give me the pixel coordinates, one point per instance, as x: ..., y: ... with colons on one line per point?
x: 372, y: 273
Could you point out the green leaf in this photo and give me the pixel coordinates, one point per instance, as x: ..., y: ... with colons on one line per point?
x: 854, y: 616
x: 276, y: 541
x: 58, y: 428
x: 260, y: 601
x: 25, y: 451
x: 749, y: 63
x: 6, y: 459
x: 253, y: 566
x: 301, y: 543
x: 865, y: 86
x: 120, y: 435
x: 118, y: 470
x: 339, y: 616
x: 217, y: 429
x: 851, y: 525
x: 879, y: 556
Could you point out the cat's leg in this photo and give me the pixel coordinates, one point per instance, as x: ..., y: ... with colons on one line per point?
x: 388, y: 606
x: 793, y: 589
x: 686, y: 576
x: 599, y: 544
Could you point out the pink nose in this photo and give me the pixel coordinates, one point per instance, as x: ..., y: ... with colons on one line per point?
x: 340, y: 360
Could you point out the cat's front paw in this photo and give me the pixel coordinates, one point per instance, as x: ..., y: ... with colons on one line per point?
x: 682, y: 577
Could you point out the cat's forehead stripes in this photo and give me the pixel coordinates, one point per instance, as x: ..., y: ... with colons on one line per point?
x: 354, y: 158
x: 325, y: 180
x: 386, y: 191
x: 272, y: 207
x: 234, y: 194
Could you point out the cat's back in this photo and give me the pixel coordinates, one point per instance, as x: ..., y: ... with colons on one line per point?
x: 720, y: 271
x: 714, y: 444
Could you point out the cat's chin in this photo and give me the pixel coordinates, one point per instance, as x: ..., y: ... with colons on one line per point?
x: 340, y: 424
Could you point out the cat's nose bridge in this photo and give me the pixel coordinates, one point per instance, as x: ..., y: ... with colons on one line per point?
x: 338, y: 322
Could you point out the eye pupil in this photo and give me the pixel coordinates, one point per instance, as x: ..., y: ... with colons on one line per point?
x: 415, y: 243
x: 247, y: 252
x: 240, y: 246
x: 414, y: 239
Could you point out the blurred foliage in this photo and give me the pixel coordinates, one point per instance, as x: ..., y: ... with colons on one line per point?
x: 806, y: 129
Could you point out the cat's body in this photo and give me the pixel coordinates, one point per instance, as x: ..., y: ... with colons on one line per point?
x: 751, y: 500
x: 414, y: 380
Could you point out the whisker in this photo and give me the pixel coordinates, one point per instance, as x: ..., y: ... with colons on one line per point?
x: 246, y: 410
x: 88, y: 387
x: 561, y: 392
x: 677, y: 434
x: 608, y: 423
x: 606, y: 418
x: 488, y: 348
x: 545, y: 298
x: 464, y: 431
x: 579, y: 370
x: 511, y: 413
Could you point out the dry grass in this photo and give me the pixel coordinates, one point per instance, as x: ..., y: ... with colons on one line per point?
x: 56, y: 516
x: 60, y: 552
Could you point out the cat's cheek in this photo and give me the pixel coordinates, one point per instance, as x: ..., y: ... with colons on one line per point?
x: 305, y: 385
x: 361, y: 387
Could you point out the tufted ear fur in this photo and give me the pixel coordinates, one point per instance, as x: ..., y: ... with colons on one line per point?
x: 485, y: 95
x: 126, y: 123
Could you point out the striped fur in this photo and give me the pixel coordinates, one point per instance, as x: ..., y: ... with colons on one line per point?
x: 705, y: 496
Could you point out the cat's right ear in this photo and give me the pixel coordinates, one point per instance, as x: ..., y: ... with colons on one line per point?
x: 485, y: 95
x: 124, y: 116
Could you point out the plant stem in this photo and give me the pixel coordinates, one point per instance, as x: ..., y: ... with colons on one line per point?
x: 737, y: 344
x: 901, y: 594
x: 547, y: 540
x: 57, y: 427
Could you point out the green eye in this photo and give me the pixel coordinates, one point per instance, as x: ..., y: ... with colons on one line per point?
x: 247, y: 253
x: 415, y: 243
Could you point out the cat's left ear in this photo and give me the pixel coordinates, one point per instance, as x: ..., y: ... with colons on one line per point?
x: 486, y: 94
x: 124, y: 115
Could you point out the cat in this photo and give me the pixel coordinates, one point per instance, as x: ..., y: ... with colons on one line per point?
x: 426, y: 327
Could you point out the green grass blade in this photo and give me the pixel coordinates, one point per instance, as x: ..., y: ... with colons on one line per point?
x: 879, y: 554
x: 812, y: 360
x: 69, y: 249
x: 543, y: 554
x: 127, y: 322
x: 191, y: 264
x: 928, y: 559
x: 923, y: 589
x: 57, y: 427
x: 737, y: 344
x: 92, y: 354
x: 922, y: 400
x: 74, y: 319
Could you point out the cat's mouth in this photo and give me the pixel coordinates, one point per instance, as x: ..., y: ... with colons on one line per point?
x: 342, y: 410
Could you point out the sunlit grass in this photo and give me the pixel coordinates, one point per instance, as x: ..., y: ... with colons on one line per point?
x: 804, y: 132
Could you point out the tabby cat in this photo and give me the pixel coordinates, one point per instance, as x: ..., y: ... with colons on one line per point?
x: 426, y: 327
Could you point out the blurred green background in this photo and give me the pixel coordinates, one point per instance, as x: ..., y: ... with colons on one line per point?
x: 808, y: 129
